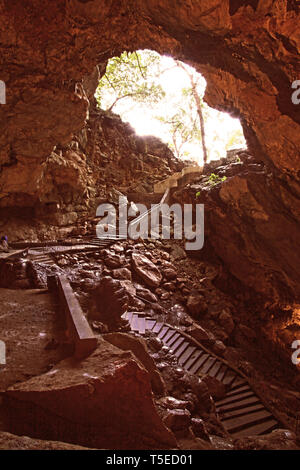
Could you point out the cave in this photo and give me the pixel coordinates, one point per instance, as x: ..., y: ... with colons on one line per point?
x: 205, y: 343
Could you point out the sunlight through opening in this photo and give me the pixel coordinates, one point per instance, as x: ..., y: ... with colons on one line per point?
x: 158, y: 96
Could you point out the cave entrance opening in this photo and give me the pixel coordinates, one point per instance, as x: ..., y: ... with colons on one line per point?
x: 164, y: 97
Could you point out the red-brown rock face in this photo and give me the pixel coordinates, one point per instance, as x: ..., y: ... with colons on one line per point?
x: 248, y: 52
x: 104, y: 402
x: 252, y: 224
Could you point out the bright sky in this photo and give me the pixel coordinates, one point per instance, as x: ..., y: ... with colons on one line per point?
x: 222, y: 131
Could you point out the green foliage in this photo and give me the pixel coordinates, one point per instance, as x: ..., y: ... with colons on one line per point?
x: 215, y: 179
x: 132, y: 75
x: 198, y: 194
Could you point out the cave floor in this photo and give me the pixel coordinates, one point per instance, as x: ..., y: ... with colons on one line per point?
x: 31, y: 329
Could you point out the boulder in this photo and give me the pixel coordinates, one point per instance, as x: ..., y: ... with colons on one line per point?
x: 200, y: 334
x: 109, y: 301
x: 215, y: 388
x: 178, y: 253
x: 196, y: 304
x: 138, y: 347
x: 145, y: 294
x: 146, y: 270
x: 173, y: 403
x: 226, y: 321
x: 169, y: 273
x: 122, y: 273
x: 177, y: 419
x: 169, y: 286
x: 219, y: 348
x: 104, y: 401
x: 199, y: 428
x: 129, y: 288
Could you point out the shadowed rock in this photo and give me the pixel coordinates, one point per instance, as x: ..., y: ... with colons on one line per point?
x: 104, y: 401
x: 109, y: 301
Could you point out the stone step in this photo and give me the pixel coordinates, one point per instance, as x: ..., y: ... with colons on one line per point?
x: 163, y: 332
x: 215, y: 369
x: 186, y: 355
x: 157, y: 327
x: 235, y: 398
x: 173, y: 340
x: 241, y: 411
x: 207, y: 365
x: 169, y: 335
x: 241, y: 422
x: 188, y: 365
x: 243, y: 388
x: 258, y: 429
x: 229, y: 377
x: 177, y: 343
x: 200, y: 362
x: 250, y: 400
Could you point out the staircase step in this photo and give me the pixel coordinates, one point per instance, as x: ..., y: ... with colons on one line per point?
x: 186, y: 355
x: 169, y: 335
x: 237, y: 405
x: 238, y: 381
x: 258, y: 429
x: 157, y: 327
x: 234, y: 398
x: 207, y: 365
x: 241, y: 422
x: 229, y: 377
x: 215, y: 369
x: 241, y: 411
x: 135, y: 322
x: 142, y: 325
x: 194, y: 357
x: 222, y: 372
x: 173, y: 340
x: 177, y: 343
x: 150, y: 324
x: 163, y: 332
x: 200, y: 362
x: 243, y: 388
x: 129, y: 317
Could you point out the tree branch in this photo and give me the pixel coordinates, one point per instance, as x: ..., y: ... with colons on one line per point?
x: 139, y: 65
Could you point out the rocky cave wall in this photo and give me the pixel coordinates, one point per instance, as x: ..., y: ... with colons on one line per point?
x: 248, y: 52
x: 105, y: 156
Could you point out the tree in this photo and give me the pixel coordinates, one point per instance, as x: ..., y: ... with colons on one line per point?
x: 199, y: 105
x: 132, y: 75
x: 183, y: 129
